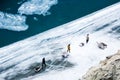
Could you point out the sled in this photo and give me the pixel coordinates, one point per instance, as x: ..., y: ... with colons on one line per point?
x: 81, y: 44
x: 102, y: 45
x: 39, y: 69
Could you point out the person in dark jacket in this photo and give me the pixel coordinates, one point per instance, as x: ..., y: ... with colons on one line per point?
x: 42, y: 67
x: 87, y: 38
x: 43, y: 63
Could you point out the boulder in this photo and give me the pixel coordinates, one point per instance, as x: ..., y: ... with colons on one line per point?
x: 109, y: 69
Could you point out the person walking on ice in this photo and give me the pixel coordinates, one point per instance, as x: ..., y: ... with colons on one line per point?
x: 87, y: 38
x: 42, y: 67
x: 68, y: 48
x: 43, y: 63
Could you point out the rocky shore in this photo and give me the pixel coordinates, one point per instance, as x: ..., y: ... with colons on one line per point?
x: 108, y: 69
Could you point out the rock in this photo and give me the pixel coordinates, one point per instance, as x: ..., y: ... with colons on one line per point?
x: 109, y: 69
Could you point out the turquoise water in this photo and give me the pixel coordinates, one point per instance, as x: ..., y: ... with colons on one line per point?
x: 65, y: 11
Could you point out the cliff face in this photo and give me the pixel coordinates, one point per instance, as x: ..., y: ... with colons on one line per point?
x: 109, y: 69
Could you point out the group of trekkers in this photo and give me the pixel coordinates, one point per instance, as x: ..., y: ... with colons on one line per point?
x: 101, y: 45
x: 82, y: 44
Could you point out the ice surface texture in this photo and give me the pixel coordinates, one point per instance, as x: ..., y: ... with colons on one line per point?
x: 36, y: 7
x: 12, y: 22
x: 16, y: 22
x: 20, y: 58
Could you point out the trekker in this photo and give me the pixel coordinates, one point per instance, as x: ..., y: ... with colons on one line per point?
x: 43, y: 63
x: 87, y: 38
x: 39, y: 68
x: 68, y: 48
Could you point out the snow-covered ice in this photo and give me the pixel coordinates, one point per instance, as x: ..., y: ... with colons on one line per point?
x: 36, y: 7
x: 17, y: 60
x: 13, y: 22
